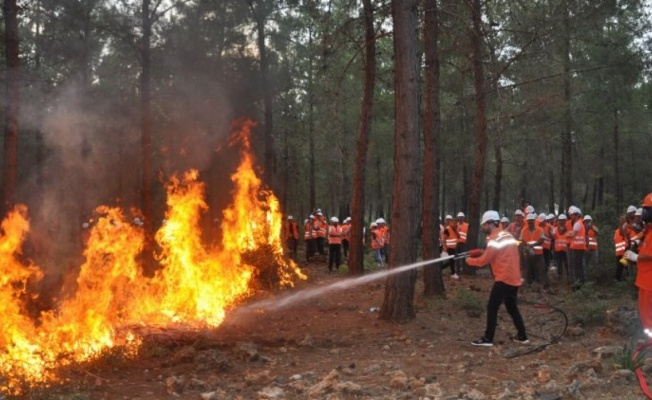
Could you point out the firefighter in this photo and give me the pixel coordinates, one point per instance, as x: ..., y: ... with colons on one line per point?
x: 384, y: 232
x: 591, y: 254
x: 377, y: 244
x: 561, y: 247
x: 504, y: 223
x: 309, y: 237
x: 335, y: 234
x: 450, y: 240
x: 515, y: 227
x: 291, y: 234
x: 346, y: 236
x: 644, y: 260
x: 532, y: 246
x: 577, y: 247
x: 621, y: 244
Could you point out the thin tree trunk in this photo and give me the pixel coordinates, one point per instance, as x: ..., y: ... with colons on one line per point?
x: 146, y: 138
x: 311, y: 125
x: 567, y: 140
x: 481, y: 125
x: 356, y: 255
x: 398, y: 304
x: 12, y: 106
x: 379, y: 190
x: 433, y: 282
x: 498, y: 153
x: 617, y: 189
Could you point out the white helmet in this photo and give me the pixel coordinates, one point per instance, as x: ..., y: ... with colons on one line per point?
x: 531, y: 217
x: 529, y: 209
x: 574, y: 210
x: 380, y: 221
x: 347, y: 219
x: 290, y: 217
x: 588, y: 218
x: 373, y: 225
x: 550, y: 216
x: 311, y: 216
x: 319, y: 213
x: 631, y: 209
x: 562, y: 216
x: 504, y: 220
x: 448, y: 217
x: 335, y: 219
x: 639, y: 212
x: 461, y: 214
x: 541, y: 217
x: 490, y: 215
x: 519, y: 212
x: 85, y: 225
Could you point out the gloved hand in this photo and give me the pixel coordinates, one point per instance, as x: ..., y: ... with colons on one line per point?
x: 631, y: 256
x: 475, y: 253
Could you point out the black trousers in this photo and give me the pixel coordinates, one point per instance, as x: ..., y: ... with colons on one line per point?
x: 345, y: 247
x: 334, y: 256
x: 508, y: 294
x: 310, y: 248
x: 292, y: 246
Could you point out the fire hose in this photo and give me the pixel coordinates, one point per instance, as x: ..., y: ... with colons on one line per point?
x: 638, y: 371
x: 556, y: 338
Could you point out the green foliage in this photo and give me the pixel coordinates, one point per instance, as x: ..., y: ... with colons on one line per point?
x: 587, y: 306
x: 467, y: 300
x: 628, y: 358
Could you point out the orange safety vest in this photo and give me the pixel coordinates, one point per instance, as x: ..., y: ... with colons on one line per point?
x: 334, y: 234
x: 578, y: 242
x: 291, y: 230
x: 307, y: 231
x: 593, y: 240
x: 561, y: 241
x: 376, y: 239
x: 346, y: 231
x: 547, y: 236
x: 462, y: 229
x: 451, y: 239
x: 532, y: 237
x: 514, y: 229
x: 321, y: 226
x: 620, y: 242
x: 384, y: 232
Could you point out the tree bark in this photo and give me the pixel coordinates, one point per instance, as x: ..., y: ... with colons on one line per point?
x: 498, y: 185
x: 311, y: 125
x: 567, y: 135
x: 481, y: 125
x: 398, y: 304
x: 356, y: 256
x: 433, y: 282
x: 616, y: 138
x: 12, y: 106
x: 146, y: 136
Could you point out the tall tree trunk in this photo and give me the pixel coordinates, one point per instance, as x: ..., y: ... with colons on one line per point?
x: 398, y: 304
x: 356, y: 255
x: 380, y: 209
x: 567, y: 139
x: 260, y: 19
x: 618, y: 191
x: 433, y: 282
x: 498, y: 184
x: 481, y: 125
x: 12, y: 106
x: 146, y: 136
x: 311, y: 125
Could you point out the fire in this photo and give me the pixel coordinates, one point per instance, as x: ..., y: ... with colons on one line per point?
x: 195, y: 285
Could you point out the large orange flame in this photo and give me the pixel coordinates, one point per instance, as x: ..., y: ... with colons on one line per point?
x: 195, y: 285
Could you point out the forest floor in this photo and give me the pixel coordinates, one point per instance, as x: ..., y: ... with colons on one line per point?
x: 334, y: 346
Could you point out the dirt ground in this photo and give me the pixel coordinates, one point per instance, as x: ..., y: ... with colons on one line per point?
x: 333, y: 346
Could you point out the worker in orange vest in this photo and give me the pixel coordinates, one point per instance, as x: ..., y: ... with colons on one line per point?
x: 462, y: 230
x: 335, y: 234
x: 320, y: 227
x: 384, y: 232
x: 346, y: 236
x: 577, y: 247
x: 504, y: 223
x: 542, y: 219
x: 309, y: 237
x: 621, y: 243
x: 291, y: 234
x: 532, y: 238
x: 644, y: 261
x: 377, y: 244
x: 450, y: 240
x: 561, y: 248
x: 591, y: 253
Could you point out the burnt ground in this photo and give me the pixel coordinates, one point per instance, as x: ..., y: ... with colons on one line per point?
x: 334, y: 347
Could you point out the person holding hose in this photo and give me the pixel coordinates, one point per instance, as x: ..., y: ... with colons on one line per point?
x: 644, y: 273
x: 503, y: 256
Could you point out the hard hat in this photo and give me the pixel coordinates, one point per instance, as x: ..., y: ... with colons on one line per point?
x: 347, y: 219
x: 373, y: 225
x: 647, y: 201
x: 574, y: 210
x: 490, y: 215
x: 380, y: 221
x: 504, y: 219
x: 447, y: 218
x: 305, y: 221
x: 550, y: 216
x: 335, y: 219
x: 461, y: 214
x: 562, y: 216
x: 318, y: 210
x: 531, y: 217
x: 519, y: 212
x: 85, y: 225
x: 290, y: 217
x: 639, y: 212
x: 587, y: 217
x: 311, y: 216
x: 542, y: 217
x: 632, y: 209
x: 319, y: 213
x: 529, y: 209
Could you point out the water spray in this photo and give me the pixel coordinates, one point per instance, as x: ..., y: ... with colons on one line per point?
x: 306, y: 294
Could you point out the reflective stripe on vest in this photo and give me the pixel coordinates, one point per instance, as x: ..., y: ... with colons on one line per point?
x: 335, y: 235
x: 578, y: 242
